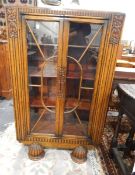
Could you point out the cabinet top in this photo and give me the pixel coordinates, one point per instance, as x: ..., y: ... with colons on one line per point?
x: 65, y: 11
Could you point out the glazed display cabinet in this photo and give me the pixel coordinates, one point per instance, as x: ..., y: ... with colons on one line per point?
x: 63, y: 64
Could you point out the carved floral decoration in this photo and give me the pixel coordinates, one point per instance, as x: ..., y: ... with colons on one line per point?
x: 116, y: 29
x: 12, y: 22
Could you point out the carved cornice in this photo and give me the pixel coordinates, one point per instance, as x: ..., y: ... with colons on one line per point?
x: 116, y: 28
x: 66, y: 12
x: 12, y: 22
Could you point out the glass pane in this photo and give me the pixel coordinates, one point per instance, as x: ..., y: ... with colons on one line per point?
x: 42, y: 42
x: 82, y: 58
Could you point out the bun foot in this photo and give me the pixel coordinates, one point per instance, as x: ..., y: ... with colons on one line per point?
x: 36, y: 152
x: 79, y: 154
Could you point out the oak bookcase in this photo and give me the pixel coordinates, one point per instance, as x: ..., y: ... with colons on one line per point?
x: 63, y: 63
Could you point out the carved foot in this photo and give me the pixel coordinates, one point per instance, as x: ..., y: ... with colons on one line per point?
x: 36, y: 152
x: 79, y: 154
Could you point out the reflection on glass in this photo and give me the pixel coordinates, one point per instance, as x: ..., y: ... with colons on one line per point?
x: 45, y: 34
x: 42, y: 42
x: 84, y: 42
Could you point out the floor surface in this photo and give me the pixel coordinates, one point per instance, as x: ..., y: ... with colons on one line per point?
x: 14, y: 159
x: 6, y: 113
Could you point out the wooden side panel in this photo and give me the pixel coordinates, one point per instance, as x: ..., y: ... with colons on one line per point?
x: 104, y: 84
x: 19, y: 71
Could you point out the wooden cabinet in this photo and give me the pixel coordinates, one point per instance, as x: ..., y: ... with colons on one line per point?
x: 63, y: 64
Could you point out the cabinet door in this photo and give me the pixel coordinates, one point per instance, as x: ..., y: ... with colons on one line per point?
x: 82, y: 51
x: 44, y: 57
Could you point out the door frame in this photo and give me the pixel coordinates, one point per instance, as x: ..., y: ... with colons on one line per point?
x: 98, y: 66
x: 59, y: 63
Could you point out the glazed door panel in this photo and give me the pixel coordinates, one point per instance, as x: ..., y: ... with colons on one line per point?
x: 44, y: 59
x: 82, y: 54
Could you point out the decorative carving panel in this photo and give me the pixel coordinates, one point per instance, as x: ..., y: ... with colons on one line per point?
x: 116, y: 28
x: 12, y: 22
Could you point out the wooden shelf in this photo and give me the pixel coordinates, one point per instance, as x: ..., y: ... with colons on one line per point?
x: 128, y: 57
x: 36, y: 102
x: 70, y: 45
x: 51, y: 72
x: 82, y: 46
x: 122, y: 73
x: 74, y: 75
x: 83, y: 104
x: 125, y: 63
x: 42, y: 44
x: 51, y: 102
